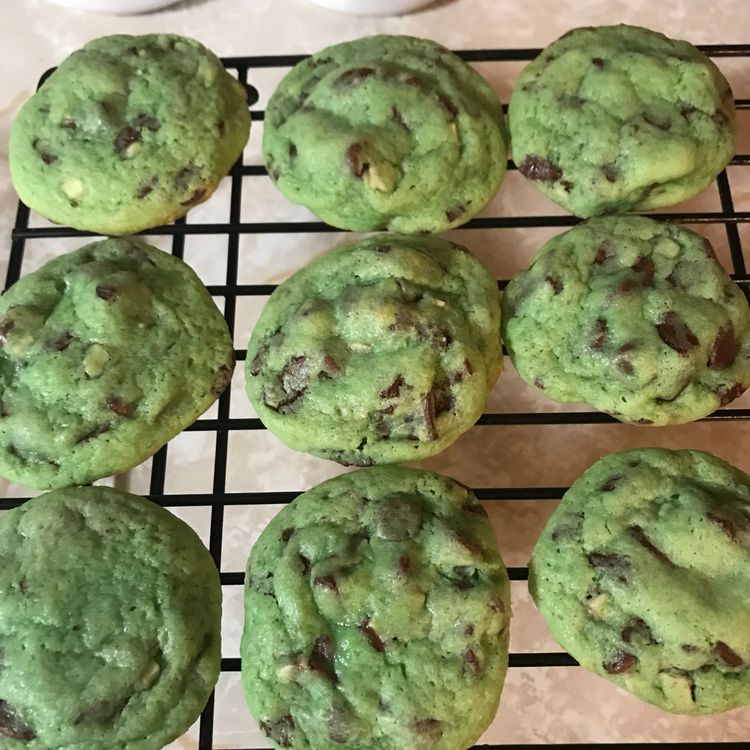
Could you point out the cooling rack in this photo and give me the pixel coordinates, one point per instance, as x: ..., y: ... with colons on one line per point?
x: 222, y: 424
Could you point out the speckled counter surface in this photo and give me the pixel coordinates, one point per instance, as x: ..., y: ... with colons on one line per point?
x: 544, y: 705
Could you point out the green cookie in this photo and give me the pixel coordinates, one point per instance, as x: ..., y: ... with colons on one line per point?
x: 642, y: 574
x: 619, y: 118
x: 128, y: 133
x: 106, y: 353
x: 110, y: 622
x: 633, y: 316
x: 386, y: 132
x: 378, y: 352
x: 376, y: 616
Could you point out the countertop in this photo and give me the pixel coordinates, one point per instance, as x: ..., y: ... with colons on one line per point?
x: 543, y: 705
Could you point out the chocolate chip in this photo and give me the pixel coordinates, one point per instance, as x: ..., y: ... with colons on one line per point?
x: 101, y: 713
x: 294, y: 381
x: 600, y: 335
x: 448, y: 106
x: 330, y: 366
x: 469, y: 631
x: 641, y: 537
x: 727, y: 393
x: 222, y: 378
x: 611, y: 483
x: 197, y: 196
x: 60, y: 342
x: 539, y: 383
x: 658, y: 121
x: 355, y: 159
x: 637, y: 629
x: 429, y: 415
x: 725, y: 349
x: 645, y: 268
x: 555, y: 283
x: 470, y: 545
x: 371, y: 635
x: 95, y: 432
x: 183, y: 178
x: 12, y: 726
x: 346, y: 458
x: 569, y: 527
x: 611, y: 564
x: 412, y: 81
x: 398, y: 118
x: 106, y: 292
x: 382, y: 249
x: 353, y: 77
x: 305, y: 565
x: 125, y: 138
x: 404, y: 565
x: 567, y: 185
x: 146, y: 187
x: 394, y: 389
x: 280, y: 730
x: 327, y: 582
x: 611, y: 171
x: 686, y: 110
x: 118, y: 406
x: 286, y: 535
x: 674, y: 333
x: 621, y: 662
x: 540, y: 170
x: 146, y: 121
x: 44, y: 155
x: 221, y: 126
x: 68, y: 125
x: 732, y: 526
x: 471, y: 662
x: 455, y: 212
x: 598, y: 62
x: 432, y: 728
x: 730, y: 657
x: 322, y: 658
x: 602, y: 253
x: 625, y: 366
x: 259, y: 360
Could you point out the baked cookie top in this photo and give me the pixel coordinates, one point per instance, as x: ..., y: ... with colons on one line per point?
x: 377, y: 610
x: 129, y: 132
x: 378, y: 352
x: 110, y: 614
x: 106, y: 353
x: 639, y: 572
x: 633, y: 316
x: 619, y: 118
x: 386, y: 132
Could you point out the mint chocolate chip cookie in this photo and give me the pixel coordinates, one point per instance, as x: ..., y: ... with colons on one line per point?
x: 128, y: 133
x: 386, y: 132
x: 378, y: 352
x: 641, y: 573
x: 633, y: 316
x: 619, y: 118
x: 106, y: 353
x: 376, y: 616
x: 110, y: 614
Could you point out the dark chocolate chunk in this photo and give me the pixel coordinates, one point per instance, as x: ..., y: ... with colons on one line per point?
x: 733, y: 524
x: 567, y: 185
x: 645, y: 268
x: 727, y: 655
x: 600, y: 334
x: 469, y: 631
x: 286, y: 535
x: 353, y: 77
x: 106, y: 292
x: 432, y: 728
x: 322, y: 658
x: 637, y: 629
x: 470, y: 545
x: 393, y: 390
x: 727, y: 393
x: 371, y: 635
x: 44, y: 155
x: 305, y: 565
x: 222, y: 378
x: 598, y: 62
x: 602, y: 253
x: 398, y: 118
x: 448, y: 106
x: 620, y: 663
x: 687, y: 109
x: 221, y: 126
x: 147, y: 122
x: 146, y: 187
x: 611, y: 564
x: 675, y: 334
x: 60, y: 342
x: 118, y: 406
x: 429, y: 415
x: 540, y: 170
x: 404, y: 565
x: 569, y: 528
x: 398, y: 517
x: 471, y: 662
x: 12, y: 726
x: 294, y: 380
x: 355, y: 159
x: 195, y: 198
x: 611, y: 171
x: 539, y: 383
x: 259, y: 360
x: 611, y: 483
x: 94, y: 432
x: 454, y: 212
x: 555, y: 283
x: 292, y: 150
x: 725, y: 349
x: 279, y: 730
x: 625, y: 366
x: 101, y: 713
x: 327, y: 582
x: 641, y: 537
x: 183, y: 178
x: 126, y: 137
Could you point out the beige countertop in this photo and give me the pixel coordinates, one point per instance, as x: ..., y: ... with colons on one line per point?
x: 544, y: 705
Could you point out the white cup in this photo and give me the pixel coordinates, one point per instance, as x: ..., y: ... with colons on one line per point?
x: 374, y: 7
x: 117, y: 7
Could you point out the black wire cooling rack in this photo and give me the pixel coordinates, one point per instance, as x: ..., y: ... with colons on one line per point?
x: 218, y: 499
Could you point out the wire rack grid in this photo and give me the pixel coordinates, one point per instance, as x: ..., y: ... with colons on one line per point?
x: 231, y: 291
